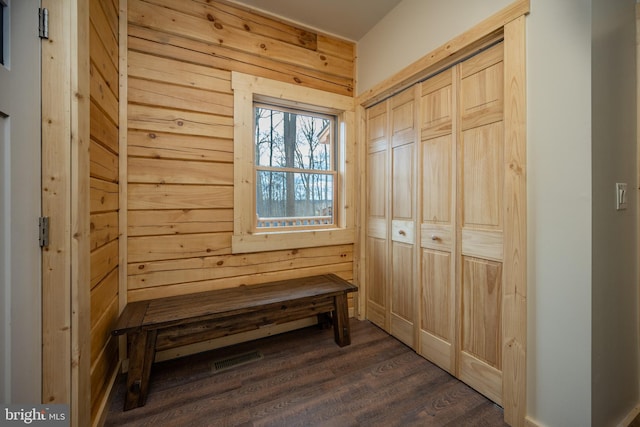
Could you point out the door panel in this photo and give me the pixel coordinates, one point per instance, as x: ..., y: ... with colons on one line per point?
x: 437, y: 322
x: 403, y: 289
x: 377, y: 185
x: 436, y: 180
x: 480, y: 358
x: 482, y: 88
x: 437, y: 220
x: 483, y: 243
x: 482, y: 309
x: 377, y: 246
x: 482, y: 180
x: 403, y: 179
x: 402, y: 118
x: 481, y: 205
x: 376, y: 280
x: 402, y: 293
x: 437, y: 112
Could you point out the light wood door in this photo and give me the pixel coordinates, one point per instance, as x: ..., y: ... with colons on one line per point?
x: 480, y: 188
x: 403, y: 196
x: 462, y: 237
x: 461, y: 221
x: 377, y: 214
x: 437, y: 219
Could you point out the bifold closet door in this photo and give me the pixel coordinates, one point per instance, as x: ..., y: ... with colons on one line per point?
x: 403, y: 195
x: 437, y: 220
x: 480, y: 219
x: 377, y: 243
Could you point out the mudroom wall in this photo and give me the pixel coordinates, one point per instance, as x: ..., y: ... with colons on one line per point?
x: 103, y: 154
x: 180, y: 141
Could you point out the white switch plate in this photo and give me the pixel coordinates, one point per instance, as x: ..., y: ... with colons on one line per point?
x: 621, y: 196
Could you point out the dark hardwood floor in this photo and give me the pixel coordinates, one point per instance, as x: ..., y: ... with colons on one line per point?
x: 305, y: 379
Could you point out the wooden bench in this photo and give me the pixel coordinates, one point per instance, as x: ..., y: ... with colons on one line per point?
x: 166, y: 323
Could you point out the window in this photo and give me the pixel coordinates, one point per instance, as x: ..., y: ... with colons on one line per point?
x: 294, y: 164
x: 292, y: 186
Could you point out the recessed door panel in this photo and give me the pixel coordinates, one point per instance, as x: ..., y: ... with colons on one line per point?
x: 482, y: 176
x: 377, y: 122
x: 377, y: 280
x: 377, y: 185
x: 436, y: 180
x: 437, y: 309
x: 402, y: 118
x: 402, y: 293
x: 437, y: 293
x: 436, y: 105
x: 403, y: 179
x: 482, y: 88
x: 482, y: 310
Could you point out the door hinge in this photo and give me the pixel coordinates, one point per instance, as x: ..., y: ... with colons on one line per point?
x: 43, y: 23
x: 43, y: 233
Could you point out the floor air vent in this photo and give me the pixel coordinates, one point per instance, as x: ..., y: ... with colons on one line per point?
x: 237, y: 360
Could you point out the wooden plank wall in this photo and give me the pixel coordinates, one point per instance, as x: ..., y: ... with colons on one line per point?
x: 180, y: 141
x: 103, y: 40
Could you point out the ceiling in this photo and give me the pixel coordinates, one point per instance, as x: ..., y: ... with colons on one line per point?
x: 350, y: 19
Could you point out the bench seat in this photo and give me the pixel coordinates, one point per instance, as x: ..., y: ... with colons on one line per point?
x: 170, y: 322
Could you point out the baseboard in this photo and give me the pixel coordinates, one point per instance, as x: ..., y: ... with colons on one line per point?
x: 530, y: 422
x: 626, y: 421
x: 101, y: 415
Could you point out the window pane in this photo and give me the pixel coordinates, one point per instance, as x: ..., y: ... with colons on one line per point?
x: 297, y: 199
x: 292, y: 140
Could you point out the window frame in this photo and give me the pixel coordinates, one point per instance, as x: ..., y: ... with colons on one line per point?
x: 246, y: 238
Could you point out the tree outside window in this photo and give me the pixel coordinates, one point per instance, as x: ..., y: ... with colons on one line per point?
x: 295, y: 168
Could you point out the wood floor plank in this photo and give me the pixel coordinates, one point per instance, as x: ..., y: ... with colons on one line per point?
x: 305, y: 379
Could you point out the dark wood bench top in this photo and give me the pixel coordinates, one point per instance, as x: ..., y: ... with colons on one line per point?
x: 164, y: 312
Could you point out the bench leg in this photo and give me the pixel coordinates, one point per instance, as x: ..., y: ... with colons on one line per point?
x: 341, y: 321
x: 142, y: 352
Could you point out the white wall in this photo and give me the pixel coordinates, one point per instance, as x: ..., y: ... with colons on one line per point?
x: 412, y: 29
x: 615, y: 254
x: 558, y: 172
x: 559, y: 212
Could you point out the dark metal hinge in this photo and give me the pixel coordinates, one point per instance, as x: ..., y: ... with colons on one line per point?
x: 43, y: 23
x: 43, y: 233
